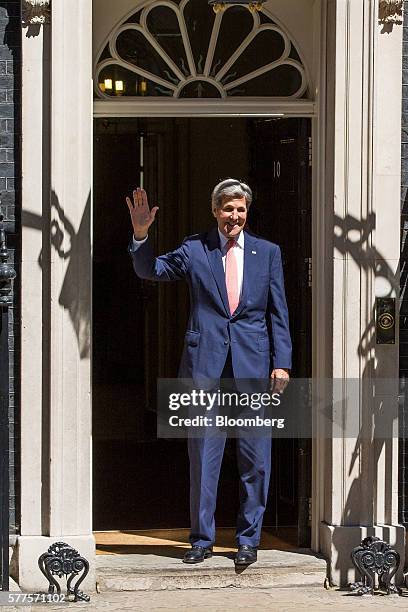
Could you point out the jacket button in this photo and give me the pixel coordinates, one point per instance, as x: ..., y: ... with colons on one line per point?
x: 226, y: 342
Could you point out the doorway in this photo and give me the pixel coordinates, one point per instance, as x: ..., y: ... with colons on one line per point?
x: 141, y: 482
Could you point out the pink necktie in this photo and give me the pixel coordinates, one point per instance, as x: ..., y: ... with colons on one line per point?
x: 231, y: 276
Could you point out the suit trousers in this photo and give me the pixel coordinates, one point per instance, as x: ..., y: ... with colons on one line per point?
x: 254, y: 467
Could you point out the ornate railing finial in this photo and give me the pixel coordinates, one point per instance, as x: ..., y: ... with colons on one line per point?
x: 375, y: 558
x: 390, y: 11
x: 64, y: 561
x: 36, y: 12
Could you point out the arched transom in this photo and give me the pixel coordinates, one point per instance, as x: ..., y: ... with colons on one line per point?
x: 185, y: 50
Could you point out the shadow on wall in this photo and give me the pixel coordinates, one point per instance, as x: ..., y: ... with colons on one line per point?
x: 376, y: 436
x: 75, y: 249
x: 403, y: 286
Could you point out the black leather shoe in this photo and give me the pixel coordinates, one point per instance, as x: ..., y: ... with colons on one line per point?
x: 197, y: 554
x: 246, y: 555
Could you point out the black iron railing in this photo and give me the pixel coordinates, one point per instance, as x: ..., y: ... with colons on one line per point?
x: 7, y: 275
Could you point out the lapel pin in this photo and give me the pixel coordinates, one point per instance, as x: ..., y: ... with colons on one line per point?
x: 253, y: 252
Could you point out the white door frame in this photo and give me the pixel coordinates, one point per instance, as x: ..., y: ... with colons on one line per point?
x: 298, y: 108
x: 200, y: 107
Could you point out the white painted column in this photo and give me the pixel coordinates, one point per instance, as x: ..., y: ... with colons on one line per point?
x: 361, y: 473
x: 56, y: 374
x: 35, y: 173
x: 71, y: 178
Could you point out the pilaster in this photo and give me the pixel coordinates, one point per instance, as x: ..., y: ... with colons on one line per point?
x: 361, y: 468
x: 56, y: 430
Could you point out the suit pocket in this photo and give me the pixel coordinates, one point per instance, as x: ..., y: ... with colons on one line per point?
x: 192, y: 338
x: 263, y: 343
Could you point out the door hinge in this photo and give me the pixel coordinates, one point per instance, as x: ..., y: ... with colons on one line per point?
x: 310, y: 510
x: 310, y: 151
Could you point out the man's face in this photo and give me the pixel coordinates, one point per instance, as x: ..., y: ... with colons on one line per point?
x: 231, y: 216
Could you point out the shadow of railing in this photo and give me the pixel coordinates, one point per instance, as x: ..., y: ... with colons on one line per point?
x: 352, y: 237
x: 73, y: 247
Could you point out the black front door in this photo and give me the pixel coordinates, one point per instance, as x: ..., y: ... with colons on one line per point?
x: 281, y: 174
x: 139, y: 481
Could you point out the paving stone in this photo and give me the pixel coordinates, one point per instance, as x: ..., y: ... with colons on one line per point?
x: 314, y: 599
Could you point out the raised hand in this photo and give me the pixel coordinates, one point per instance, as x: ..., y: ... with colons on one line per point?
x: 141, y: 215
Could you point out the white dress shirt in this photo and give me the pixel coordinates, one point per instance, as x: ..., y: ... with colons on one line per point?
x: 238, y: 252
x: 138, y: 243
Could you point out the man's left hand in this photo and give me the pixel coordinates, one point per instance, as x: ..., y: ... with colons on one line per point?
x: 279, y: 379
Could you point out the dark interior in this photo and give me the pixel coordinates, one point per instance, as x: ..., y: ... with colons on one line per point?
x: 141, y: 482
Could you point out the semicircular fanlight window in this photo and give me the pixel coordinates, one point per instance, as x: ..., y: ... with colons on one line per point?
x: 133, y: 47
x: 199, y: 89
x: 163, y: 24
x: 236, y: 24
x: 199, y: 20
x: 117, y: 81
x: 184, y: 50
x: 254, y: 56
x: 278, y: 82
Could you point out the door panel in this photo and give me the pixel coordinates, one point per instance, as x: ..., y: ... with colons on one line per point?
x: 281, y: 174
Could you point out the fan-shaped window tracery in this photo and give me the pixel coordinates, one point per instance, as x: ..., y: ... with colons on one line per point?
x: 185, y: 50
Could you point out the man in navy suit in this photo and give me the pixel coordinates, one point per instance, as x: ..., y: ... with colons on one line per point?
x: 238, y: 328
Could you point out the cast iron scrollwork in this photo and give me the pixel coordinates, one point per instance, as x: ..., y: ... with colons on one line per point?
x: 375, y: 557
x: 35, y: 12
x: 390, y: 11
x: 63, y: 560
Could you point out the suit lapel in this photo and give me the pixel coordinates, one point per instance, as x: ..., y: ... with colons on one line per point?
x: 213, y: 251
x: 251, y: 266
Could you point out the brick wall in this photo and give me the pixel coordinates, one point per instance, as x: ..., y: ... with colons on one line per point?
x: 10, y: 104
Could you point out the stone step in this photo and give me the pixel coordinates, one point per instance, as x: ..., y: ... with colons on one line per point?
x: 152, y: 572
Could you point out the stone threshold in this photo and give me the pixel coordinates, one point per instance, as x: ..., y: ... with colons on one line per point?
x: 165, y: 571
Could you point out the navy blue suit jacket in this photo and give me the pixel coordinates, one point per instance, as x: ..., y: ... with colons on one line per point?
x: 258, y: 331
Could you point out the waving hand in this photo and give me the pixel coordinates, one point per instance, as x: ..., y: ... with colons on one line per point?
x: 141, y: 215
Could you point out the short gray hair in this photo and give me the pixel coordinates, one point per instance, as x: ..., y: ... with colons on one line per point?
x: 230, y: 188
